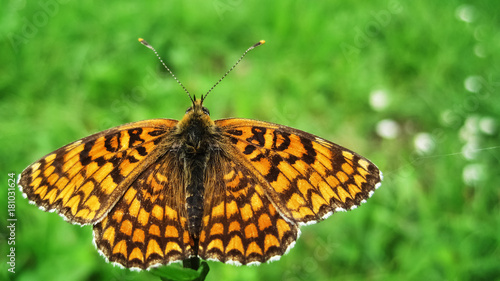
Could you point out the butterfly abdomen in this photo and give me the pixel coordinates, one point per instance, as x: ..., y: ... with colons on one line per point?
x: 195, y: 133
x: 194, y: 169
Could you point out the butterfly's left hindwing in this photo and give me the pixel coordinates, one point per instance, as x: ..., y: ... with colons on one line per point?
x: 306, y: 178
x: 148, y: 225
x: 83, y: 180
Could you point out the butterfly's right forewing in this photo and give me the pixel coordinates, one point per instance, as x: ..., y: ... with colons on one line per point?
x: 307, y: 178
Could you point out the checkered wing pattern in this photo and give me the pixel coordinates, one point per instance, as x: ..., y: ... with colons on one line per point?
x: 261, y: 182
x: 306, y: 178
x: 148, y: 225
x: 240, y: 223
x: 83, y: 180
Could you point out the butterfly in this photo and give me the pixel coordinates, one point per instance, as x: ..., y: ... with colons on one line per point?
x: 232, y: 190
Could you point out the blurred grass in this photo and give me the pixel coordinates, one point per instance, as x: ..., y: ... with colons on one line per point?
x: 71, y: 69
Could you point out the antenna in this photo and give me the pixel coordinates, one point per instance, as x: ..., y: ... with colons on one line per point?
x: 224, y: 76
x: 143, y: 42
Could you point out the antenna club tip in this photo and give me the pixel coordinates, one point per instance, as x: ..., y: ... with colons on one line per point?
x: 145, y: 43
x: 258, y: 44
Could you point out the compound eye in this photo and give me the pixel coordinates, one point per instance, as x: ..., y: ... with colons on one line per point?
x: 205, y: 110
x: 189, y: 110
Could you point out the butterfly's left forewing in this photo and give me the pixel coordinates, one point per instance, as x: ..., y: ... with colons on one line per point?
x: 83, y: 180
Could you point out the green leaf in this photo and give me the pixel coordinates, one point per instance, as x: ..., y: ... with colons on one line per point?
x: 177, y: 273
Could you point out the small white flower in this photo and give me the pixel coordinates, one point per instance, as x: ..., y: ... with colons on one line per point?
x: 379, y: 99
x: 388, y: 129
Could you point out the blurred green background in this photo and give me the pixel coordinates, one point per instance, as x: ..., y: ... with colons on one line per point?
x: 412, y: 86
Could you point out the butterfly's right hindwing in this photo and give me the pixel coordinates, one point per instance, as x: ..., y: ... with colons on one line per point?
x: 240, y: 223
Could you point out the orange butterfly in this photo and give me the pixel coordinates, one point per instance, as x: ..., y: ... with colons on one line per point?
x: 231, y: 190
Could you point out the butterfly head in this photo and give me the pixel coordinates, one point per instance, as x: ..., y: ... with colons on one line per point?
x: 197, y: 108
x: 197, y: 112
x: 197, y: 116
